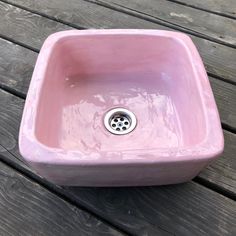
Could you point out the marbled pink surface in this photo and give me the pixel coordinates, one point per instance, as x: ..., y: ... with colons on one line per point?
x: 158, y: 75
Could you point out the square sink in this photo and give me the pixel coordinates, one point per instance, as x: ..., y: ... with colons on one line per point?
x: 119, y: 108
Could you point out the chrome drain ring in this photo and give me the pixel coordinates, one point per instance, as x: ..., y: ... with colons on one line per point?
x: 120, y: 121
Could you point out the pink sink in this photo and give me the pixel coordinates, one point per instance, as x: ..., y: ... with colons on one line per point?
x: 119, y: 108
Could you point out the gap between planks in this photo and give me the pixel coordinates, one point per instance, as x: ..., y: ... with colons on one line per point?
x: 43, y: 15
x: 131, y: 12
x: 54, y: 189
x: 154, y: 19
x: 204, y: 182
x: 203, y: 9
x: 27, y: 206
x: 69, y: 198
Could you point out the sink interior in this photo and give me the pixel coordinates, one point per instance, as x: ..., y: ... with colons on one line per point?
x: 151, y: 76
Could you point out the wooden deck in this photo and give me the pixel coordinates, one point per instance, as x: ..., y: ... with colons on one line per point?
x: 30, y: 205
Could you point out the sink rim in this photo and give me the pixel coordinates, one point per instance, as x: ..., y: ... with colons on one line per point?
x: 34, y: 151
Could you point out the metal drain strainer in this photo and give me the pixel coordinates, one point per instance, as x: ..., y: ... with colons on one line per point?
x: 120, y: 121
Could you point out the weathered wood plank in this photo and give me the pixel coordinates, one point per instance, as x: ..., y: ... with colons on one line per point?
x: 225, y: 95
x: 193, y: 20
x: 218, y: 59
x: 225, y: 8
x: 179, y: 209
x: 16, y: 23
x: 16, y: 66
x: 223, y: 170
x: 10, y: 121
x: 186, y: 209
x: 28, y: 209
x: 177, y: 16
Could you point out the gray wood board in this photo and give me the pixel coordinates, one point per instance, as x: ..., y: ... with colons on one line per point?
x: 16, y: 66
x: 179, y: 209
x: 225, y: 8
x: 31, y: 29
x: 223, y: 171
x: 212, y: 26
x: 225, y: 96
x: 28, y: 209
x: 25, y: 27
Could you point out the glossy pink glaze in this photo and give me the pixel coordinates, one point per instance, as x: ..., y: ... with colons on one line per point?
x: 158, y: 75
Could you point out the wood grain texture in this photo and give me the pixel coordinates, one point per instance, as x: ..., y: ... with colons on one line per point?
x: 185, y: 209
x: 10, y: 116
x: 16, y: 66
x: 218, y: 59
x: 27, y: 209
x: 225, y: 8
x: 17, y: 22
x: 223, y: 170
x: 180, y: 209
x: 193, y: 20
x: 225, y: 96
x: 177, y: 16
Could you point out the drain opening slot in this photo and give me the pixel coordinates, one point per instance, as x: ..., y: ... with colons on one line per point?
x: 120, y: 121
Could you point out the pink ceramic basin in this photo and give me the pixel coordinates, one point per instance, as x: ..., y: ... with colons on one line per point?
x: 156, y: 75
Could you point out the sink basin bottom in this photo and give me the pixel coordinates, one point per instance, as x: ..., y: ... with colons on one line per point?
x: 156, y: 87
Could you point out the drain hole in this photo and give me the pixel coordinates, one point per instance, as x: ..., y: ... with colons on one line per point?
x: 120, y: 121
